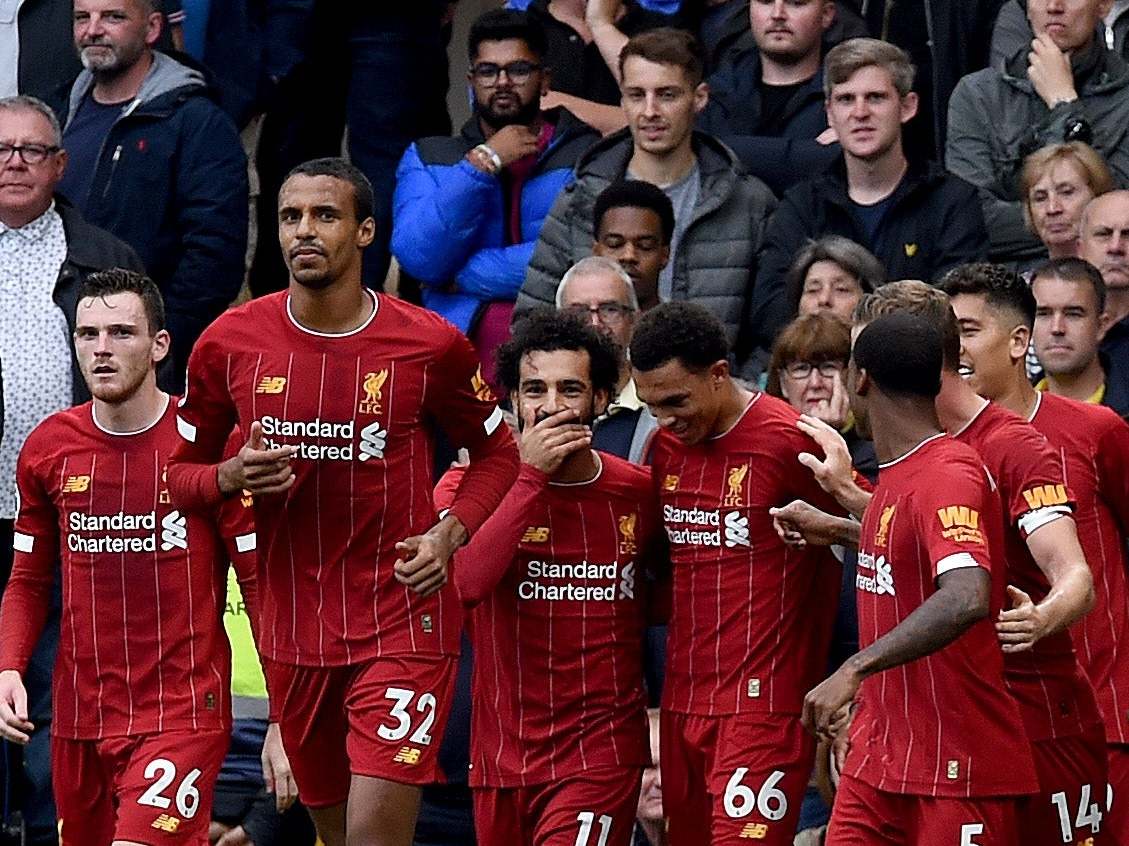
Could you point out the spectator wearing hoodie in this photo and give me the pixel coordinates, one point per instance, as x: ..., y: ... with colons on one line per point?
x: 155, y: 161
x: 1066, y: 85
x: 467, y: 210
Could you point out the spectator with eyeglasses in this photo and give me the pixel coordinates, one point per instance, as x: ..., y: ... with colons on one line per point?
x: 467, y: 210
x: 47, y: 250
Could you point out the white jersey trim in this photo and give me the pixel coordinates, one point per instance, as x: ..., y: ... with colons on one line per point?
x: 756, y: 396
x: 1035, y: 410
x: 361, y: 328
x: 22, y: 542
x: 491, y: 423
x: 246, y: 543
x: 1040, y: 517
x: 186, y: 429
x: 599, y: 473
x: 957, y: 561
x: 971, y: 420
x: 145, y: 428
x: 904, y: 456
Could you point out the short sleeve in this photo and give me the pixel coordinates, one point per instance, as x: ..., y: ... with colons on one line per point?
x: 459, y: 398
x: 206, y: 412
x: 952, y: 509
x: 1034, y: 482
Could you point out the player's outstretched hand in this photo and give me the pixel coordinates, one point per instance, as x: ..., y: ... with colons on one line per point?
x: 14, y: 725
x: 545, y: 444
x: 423, y: 560
x: 276, y: 770
x: 799, y: 524
x: 257, y: 469
x: 834, y: 471
x: 1020, y: 627
x: 823, y: 702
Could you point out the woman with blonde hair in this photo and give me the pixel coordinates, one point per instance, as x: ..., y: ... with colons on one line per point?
x: 1056, y: 183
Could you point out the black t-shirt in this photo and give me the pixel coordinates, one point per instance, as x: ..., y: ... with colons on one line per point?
x: 870, y: 218
x: 83, y: 140
x: 578, y: 68
x: 774, y: 106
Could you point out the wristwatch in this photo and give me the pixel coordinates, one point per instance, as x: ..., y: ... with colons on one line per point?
x: 1076, y: 129
x: 489, y: 157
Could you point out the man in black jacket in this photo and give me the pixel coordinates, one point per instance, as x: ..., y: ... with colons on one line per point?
x: 766, y: 98
x: 155, y: 161
x: 918, y: 220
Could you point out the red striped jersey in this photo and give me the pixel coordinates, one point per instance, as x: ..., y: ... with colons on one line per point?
x: 942, y: 725
x: 142, y: 646
x: 751, y: 619
x: 1055, y: 697
x: 362, y: 408
x: 558, y: 641
x: 1092, y: 444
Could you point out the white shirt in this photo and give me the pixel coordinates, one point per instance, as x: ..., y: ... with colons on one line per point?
x: 35, y: 345
x: 9, y: 47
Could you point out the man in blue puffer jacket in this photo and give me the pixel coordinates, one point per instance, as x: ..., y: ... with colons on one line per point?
x: 467, y: 210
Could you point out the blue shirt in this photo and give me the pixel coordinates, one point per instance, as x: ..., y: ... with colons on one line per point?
x: 83, y: 140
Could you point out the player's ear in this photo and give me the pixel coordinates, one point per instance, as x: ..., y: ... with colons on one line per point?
x: 1019, y: 342
x: 366, y: 232
x: 719, y: 372
x: 862, y: 383
x: 600, y: 399
x: 160, y: 347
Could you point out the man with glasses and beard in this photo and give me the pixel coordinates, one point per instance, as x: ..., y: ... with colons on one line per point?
x: 467, y: 210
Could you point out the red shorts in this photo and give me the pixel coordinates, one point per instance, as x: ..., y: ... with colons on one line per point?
x: 154, y: 788
x: 1116, y: 823
x: 734, y: 778
x: 383, y: 718
x: 596, y: 808
x: 863, y: 816
x: 1070, y: 806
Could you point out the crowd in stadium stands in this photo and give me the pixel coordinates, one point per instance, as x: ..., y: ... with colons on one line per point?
x: 719, y: 438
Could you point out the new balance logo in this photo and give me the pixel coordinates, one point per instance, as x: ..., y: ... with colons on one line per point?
x: 1044, y: 496
x: 174, y: 531
x: 166, y: 823
x: 754, y: 831
x: 271, y: 385
x: 407, y: 755
x: 736, y: 530
x: 373, y: 441
x: 627, y: 581
x: 535, y: 534
x: 76, y: 484
x: 883, y: 577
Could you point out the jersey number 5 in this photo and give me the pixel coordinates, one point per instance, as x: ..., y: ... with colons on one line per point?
x: 402, y: 698
x: 187, y: 796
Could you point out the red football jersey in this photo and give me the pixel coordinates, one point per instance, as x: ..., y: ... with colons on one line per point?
x: 142, y: 647
x: 751, y: 620
x: 1055, y: 698
x: 1093, y: 445
x: 361, y: 407
x: 942, y: 725
x: 558, y: 641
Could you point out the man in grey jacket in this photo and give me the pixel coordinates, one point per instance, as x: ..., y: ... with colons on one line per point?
x: 720, y: 211
x: 1066, y: 86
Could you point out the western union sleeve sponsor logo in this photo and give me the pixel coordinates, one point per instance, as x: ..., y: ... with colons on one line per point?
x: 1043, y: 496
x: 960, y: 523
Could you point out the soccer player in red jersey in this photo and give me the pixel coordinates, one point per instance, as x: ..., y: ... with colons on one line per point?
x: 557, y: 585
x: 937, y: 753
x: 341, y: 391
x: 141, y: 683
x: 1042, y: 558
x: 996, y: 311
x: 751, y: 620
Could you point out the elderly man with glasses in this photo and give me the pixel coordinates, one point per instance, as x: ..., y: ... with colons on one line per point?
x: 47, y: 250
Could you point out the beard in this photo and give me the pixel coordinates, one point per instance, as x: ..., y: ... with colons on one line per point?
x: 112, y: 59
x: 523, y: 115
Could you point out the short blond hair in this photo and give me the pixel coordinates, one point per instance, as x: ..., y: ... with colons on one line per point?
x: 845, y: 60
x: 1039, y: 163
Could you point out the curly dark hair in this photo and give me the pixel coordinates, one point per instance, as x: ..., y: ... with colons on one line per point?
x: 546, y: 330
x: 1001, y: 287
x: 678, y: 330
x: 118, y: 280
x: 363, y: 202
x: 635, y: 194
